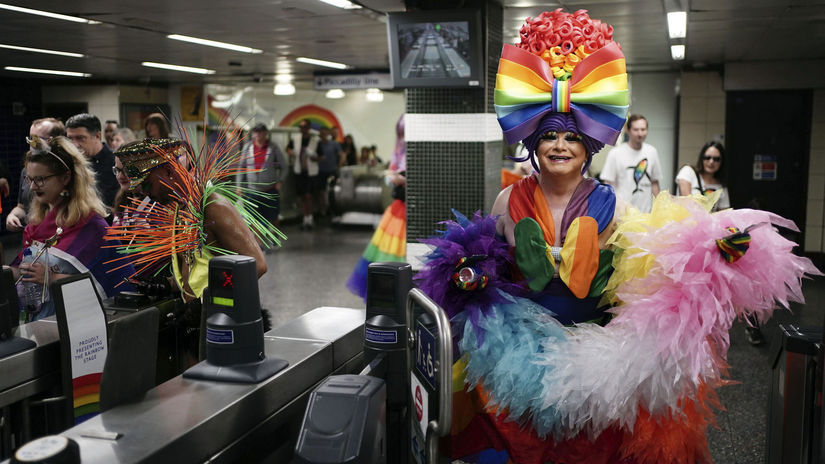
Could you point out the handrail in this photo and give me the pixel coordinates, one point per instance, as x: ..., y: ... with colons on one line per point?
x: 443, y: 369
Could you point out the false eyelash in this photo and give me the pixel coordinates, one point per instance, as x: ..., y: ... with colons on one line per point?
x: 569, y: 136
x: 549, y: 135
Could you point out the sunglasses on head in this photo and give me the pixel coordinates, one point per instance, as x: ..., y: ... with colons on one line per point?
x: 712, y: 158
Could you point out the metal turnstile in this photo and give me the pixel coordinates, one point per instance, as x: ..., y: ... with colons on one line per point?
x: 794, y: 404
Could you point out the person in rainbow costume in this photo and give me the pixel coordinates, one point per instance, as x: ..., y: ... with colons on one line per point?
x: 588, y: 331
x: 389, y: 242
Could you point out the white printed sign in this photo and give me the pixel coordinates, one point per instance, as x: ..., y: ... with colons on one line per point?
x: 87, y: 328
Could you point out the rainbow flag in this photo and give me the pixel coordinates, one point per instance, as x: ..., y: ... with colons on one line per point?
x: 86, y: 396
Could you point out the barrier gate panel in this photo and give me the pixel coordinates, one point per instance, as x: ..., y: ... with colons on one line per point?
x: 429, y: 357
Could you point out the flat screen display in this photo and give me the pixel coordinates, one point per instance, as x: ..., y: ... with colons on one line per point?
x: 438, y: 48
x: 382, y: 290
x: 434, y: 50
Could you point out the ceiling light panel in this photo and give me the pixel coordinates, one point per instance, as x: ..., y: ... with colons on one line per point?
x: 677, y: 24
x: 47, y: 71
x: 328, y: 64
x: 677, y: 52
x: 375, y: 95
x: 345, y: 4
x: 214, y: 43
x: 175, y: 67
x: 47, y: 14
x: 284, y: 89
x: 41, y: 50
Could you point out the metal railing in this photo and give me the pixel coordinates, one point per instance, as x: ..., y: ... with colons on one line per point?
x: 443, y: 368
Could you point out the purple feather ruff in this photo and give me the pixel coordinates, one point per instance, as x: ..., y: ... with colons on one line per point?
x: 464, y: 238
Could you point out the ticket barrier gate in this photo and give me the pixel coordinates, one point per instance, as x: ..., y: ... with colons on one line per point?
x: 430, y: 360
x: 795, y: 403
x: 373, y: 404
x: 189, y: 421
x: 409, y: 371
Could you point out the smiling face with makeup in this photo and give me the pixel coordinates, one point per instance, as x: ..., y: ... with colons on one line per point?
x: 561, y: 153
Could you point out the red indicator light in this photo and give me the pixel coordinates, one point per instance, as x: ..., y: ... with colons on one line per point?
x: 226, y: 279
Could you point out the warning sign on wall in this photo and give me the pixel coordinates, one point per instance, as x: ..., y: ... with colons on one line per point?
x: 764, y: 167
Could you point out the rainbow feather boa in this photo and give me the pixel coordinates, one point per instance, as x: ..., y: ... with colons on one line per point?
x: 676, y: 300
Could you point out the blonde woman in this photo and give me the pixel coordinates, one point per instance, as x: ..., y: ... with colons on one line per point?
x: 65, y: 228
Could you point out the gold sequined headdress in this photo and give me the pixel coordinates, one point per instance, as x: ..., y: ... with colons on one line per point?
x: 141, y: 157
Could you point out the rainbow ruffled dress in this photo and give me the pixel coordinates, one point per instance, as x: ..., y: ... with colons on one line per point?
x: 388, y: 243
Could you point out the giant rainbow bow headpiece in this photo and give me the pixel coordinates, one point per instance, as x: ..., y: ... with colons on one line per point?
x: 565, y: 63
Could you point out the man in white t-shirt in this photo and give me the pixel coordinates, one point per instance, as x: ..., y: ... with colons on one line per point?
x: 633, y: 168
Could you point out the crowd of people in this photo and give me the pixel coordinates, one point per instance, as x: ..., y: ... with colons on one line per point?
x: 85, y: 198
x: 84, y: 183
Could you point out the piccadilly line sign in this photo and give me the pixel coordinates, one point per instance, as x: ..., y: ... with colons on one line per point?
x: 353, y: 81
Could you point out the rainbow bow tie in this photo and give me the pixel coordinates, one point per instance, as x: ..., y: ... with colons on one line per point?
x: 581, y: 266
x: 734, y: 246
x: 596, y: 95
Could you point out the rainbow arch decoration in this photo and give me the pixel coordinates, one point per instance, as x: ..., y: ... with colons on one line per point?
x: 318, y: 117
x: 216, y: 116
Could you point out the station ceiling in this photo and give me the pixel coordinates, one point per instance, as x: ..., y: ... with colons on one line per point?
x: 132, y: 32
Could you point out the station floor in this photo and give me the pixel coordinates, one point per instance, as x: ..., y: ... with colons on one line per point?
x: 311, y: 268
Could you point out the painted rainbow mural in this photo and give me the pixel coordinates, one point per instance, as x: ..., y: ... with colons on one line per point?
x: 318, y: 117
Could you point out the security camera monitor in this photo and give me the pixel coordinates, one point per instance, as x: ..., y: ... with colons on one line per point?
x: 436, y: 48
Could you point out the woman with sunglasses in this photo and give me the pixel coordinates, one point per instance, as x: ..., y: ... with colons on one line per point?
x: 708, y: 176
x: 65, y: 228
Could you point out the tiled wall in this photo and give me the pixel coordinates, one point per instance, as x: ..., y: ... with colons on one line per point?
x: 815, y: 218
x: 701, y: 113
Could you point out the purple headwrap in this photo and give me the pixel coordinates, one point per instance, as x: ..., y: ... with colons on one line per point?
x: 559, y: 122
